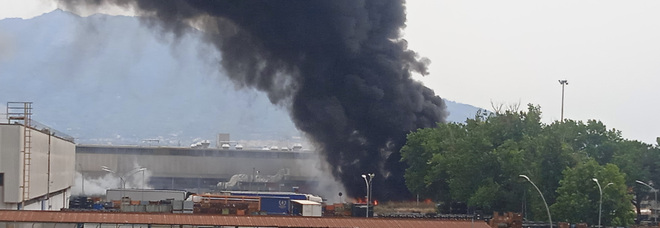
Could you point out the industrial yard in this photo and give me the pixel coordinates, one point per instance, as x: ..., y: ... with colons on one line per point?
x: 38, y: 166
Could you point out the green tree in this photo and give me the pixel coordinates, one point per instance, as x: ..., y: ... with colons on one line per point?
x: 640, y: 162
x: 579, y: 198
x: 478, y: 162
x: 422, y: 153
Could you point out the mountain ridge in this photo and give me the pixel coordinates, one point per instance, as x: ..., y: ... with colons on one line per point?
x: 110, y: 80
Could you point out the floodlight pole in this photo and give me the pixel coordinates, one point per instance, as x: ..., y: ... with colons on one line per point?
x: 563, y: 83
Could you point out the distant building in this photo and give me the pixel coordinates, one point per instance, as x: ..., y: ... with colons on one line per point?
x: 204, y: 169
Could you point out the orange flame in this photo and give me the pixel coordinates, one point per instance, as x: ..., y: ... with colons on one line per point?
x: 359, y: 200
x: 364, y: 201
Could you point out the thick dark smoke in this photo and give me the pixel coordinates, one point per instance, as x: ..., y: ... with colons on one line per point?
x: 340, y: 67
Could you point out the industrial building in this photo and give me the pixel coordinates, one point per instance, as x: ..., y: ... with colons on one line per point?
x: 202, y: 169
x: 37, y: 164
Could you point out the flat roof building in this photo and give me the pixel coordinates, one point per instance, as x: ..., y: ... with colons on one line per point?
x: 36, y: 169
x: 37, y: 164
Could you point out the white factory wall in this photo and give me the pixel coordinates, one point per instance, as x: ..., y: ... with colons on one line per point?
x: 195, y: 166
x: 3, y: 205
x: 56, y: 202
x: 10, y: 162
x: 62, y: 167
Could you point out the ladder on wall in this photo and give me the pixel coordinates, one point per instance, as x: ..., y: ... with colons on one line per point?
x: 21, y: 113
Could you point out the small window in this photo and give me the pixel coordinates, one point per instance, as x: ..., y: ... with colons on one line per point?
x: 2, y: 179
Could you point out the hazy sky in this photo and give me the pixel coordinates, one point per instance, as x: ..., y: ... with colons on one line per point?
x: 516, y: 51
x: 509, y: 52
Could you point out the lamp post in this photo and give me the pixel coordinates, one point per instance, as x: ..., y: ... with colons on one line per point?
x: 143, y: 177
x: 600, y: 205
x: 82, y: 174
x: 563, y: 83
x: 543, y: 198
x: 134, y: 172
x: 121, y: 177
x: 655, y: 192
x: 371, y: 190
x: 368, y: 183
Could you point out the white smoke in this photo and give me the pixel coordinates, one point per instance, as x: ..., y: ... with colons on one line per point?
x: 96, y: 186
x: 328, y: 187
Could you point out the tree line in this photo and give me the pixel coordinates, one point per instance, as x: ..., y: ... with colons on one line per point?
x: 479, y: 163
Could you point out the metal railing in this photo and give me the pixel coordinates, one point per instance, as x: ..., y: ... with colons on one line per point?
x: 48, y: 130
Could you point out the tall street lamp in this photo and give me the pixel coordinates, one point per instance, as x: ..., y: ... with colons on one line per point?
x: 600, y: 206
x: 368, y: 182
x: 121, y: 177
x: 136, y: 171
x: 563, y: 83
x: 143, y: 169
x: 371, y: 190
x: 543, y: 198
x: 655, y: 192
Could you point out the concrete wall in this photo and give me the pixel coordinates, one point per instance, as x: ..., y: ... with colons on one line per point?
x: 3, y: 205
x: 11, y: 162
x: 55, y: 201
x: 52, y: 160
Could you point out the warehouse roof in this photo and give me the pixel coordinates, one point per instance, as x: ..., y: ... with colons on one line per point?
x: 224, y: 220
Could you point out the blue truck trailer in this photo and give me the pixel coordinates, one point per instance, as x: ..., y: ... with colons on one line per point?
x: 276, y: 202
x: 271, y: 205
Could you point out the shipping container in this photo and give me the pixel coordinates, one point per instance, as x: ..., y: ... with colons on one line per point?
x: 306, y: 208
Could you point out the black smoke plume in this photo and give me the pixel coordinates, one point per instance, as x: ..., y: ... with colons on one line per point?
x: 340, y: 67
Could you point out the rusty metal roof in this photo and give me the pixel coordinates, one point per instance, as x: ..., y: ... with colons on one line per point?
x: 225, y: 220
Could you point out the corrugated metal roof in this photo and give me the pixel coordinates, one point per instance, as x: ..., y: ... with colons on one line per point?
x: 225, y: 220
